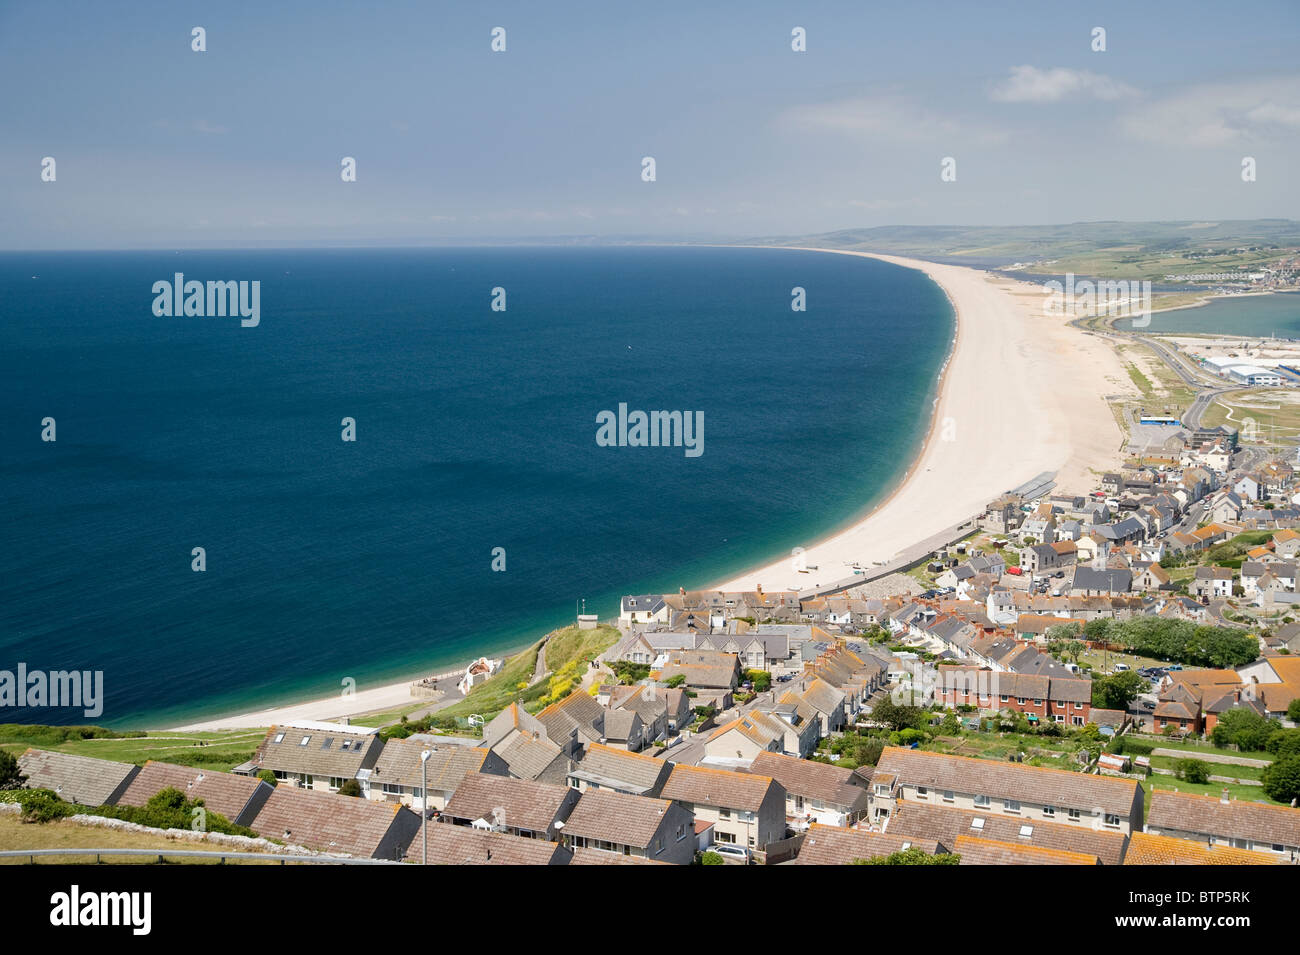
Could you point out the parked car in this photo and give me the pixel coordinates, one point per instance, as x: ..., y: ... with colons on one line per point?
x: 736, y: 855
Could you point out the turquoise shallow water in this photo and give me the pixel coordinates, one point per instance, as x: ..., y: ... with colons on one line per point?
x: 1251, y: 315
x: 476, y: 429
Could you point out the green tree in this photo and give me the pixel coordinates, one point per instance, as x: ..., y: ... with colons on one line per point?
x: 1243, y: 728
x: 899, y: 716
x: 1293, y: 710
x: 1283, y: 743
x: 1282, y: 779
x: 711, y: 858
x: 266, y: 776
x: 10, y: 775
x: 911, y: 856
x: 1117, y: 691
x: 350, y: 787
x: 1193, y: 770
x: 675, y: 681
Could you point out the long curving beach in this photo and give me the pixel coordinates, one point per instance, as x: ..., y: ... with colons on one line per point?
x: 1022, y: 393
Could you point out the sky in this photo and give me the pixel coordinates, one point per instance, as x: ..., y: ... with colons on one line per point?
x: 158, y: 146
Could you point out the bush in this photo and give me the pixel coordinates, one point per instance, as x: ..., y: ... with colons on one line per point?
x: 1245, y: 729
x: 1193, y: 770
x: 266, y: 776
x: 1293, y: 710
x: 41, y: 805
x: 1283, y: 743
x: 711, y: 858
x: 761, y: 679
x: 1134, y: 747
x: 350, y: 787
x: 10, y: 776
x: 1282, y: 779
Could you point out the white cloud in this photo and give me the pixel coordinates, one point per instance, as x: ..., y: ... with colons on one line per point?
x: 888, y: 117
x: 1029, y: 84
x: 1225, y: 114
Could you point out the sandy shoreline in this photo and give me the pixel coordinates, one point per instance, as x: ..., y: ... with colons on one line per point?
x: 1021, y: 393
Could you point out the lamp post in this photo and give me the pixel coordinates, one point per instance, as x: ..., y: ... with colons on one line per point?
x: 424, y: 803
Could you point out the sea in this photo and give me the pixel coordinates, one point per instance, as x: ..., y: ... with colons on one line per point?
x: 183, y: 515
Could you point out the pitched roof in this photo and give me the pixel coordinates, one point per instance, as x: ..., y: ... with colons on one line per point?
x: 527, y: 756
x: 1147, y: 849
x: 619, y: 769
x: 399, y: 764
x: 526, y: 804
x: 811, y: 779
x: 225, y: 793
x: 833, y: 845
x: 1235, y: 819
x: 946, y: 824
x: 1053, y: 787
x: 332, y: 823
x: 718, y: 787
x: 618, y: 817
x: 318, y: 750
x: 975, y: 851
x: 80, y: 779
x: 465, y: 845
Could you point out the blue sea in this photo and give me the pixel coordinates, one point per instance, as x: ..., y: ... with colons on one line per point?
x: 475, y: 429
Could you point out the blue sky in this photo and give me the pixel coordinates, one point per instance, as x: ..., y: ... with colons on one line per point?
x: 159, y: 146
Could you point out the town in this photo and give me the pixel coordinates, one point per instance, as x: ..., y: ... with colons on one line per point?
x: 1108, y: 677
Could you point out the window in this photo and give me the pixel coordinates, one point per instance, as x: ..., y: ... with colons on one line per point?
x: 982, y: 801
x: 1020, y: 700
x: 1112, y: 819
x: 1049, y: 811
x: 947, y: 795
x: 1005, y: 698
x: 1038, y: 702
x: 724, y: 813
x: 922, y: 792
x: 1073, y: 814
x: 329, y: 741
x: 977, y: 823
x: 1026, y: 832
x: 279, y: 738
x: 305, y: 741
x: 1011, y: 805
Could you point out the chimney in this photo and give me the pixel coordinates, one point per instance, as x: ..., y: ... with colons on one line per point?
x: 1224, y: 798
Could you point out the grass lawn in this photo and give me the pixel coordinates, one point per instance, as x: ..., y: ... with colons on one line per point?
x: 1217, y: 769
x: 1201, y: 747
x: 1244, y: 793
x: 1097, y: 658
x: 222, y: 750
x: 65, y: 834
x: 570, y: 644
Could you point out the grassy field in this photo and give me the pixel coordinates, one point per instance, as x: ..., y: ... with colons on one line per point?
x: 65, y: 834
x: 1235, y: 791
x: 514, y: 682
x: 1275, y: 413
x: 216, y: 750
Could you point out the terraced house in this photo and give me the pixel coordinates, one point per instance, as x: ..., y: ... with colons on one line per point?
x: 744, y: 809
x: 659, y: 830
x: 1257, y: 827
x: 399, y: 774
x: 1011, y: 789
x: 1060, y: 699
x: 315, y: 755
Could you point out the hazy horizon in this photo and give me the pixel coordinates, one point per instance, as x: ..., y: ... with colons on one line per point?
x: 159, y: 146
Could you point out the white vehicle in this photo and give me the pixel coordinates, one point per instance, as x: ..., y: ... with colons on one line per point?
x: 737, y: 855
x: 1120, y: 667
